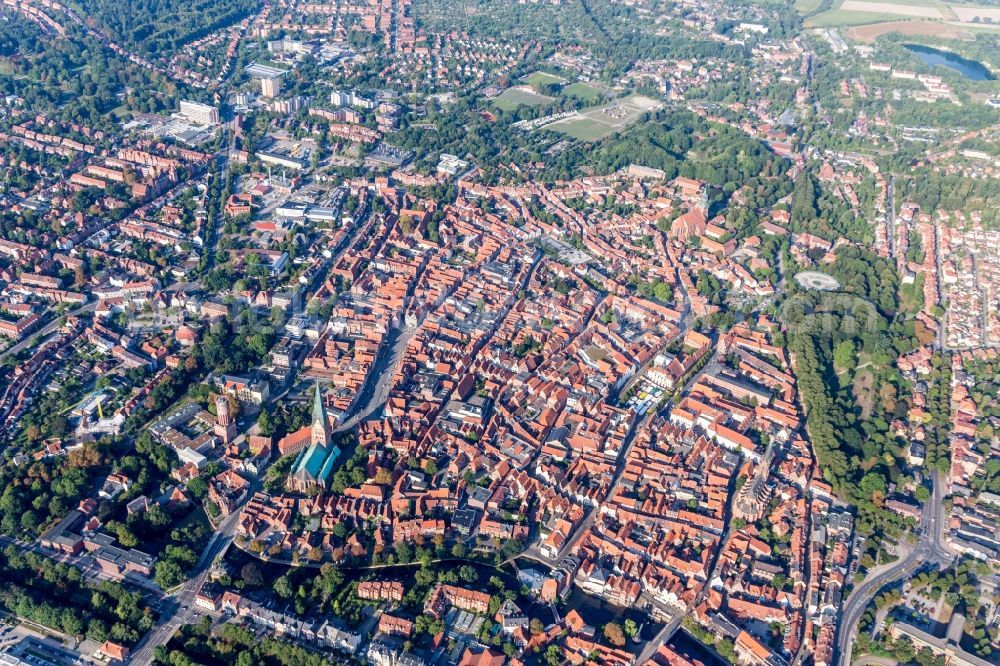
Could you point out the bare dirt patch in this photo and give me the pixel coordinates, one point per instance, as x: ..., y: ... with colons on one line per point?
x: 598, y: 122
x: 864, y: 392
x: 871, y: 32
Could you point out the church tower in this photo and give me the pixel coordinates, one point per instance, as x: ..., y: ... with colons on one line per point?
x: 320, y: 423
x: 703, y: 200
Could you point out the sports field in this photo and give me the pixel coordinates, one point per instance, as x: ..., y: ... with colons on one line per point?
x: 584, y: 91
x: 601, y: 121
x: 542, y: 78
x: 512, y: 98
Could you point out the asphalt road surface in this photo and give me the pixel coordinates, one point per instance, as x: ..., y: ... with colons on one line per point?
x: 182, y: 610
x: 929, y: 551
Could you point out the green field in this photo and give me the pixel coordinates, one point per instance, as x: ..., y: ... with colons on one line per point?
x: 542, y: 78
x: 602, y: 121
x: 584, y: 91
x: 807, y: 6
x: 512, y: 98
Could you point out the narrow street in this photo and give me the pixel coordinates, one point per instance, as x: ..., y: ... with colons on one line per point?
x: 665, y: 634
x: 890, y: 215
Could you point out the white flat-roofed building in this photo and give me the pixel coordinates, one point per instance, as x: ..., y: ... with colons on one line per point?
x: 198, y: 113
x: 257, y: 71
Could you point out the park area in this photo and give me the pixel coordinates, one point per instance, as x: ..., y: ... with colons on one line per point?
x: 601, y: 121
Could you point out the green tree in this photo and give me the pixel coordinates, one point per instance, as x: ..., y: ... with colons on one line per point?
x: 283, y: 587
x: 843, y: 355
x: 167, y: 574
x: 198, y: 488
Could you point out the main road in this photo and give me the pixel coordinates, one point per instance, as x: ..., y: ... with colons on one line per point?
x: 182, y: 610
x: 930, y: 550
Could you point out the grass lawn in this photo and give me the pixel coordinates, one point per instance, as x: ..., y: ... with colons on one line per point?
x: 977, y: 27
x: 512, y: 98
x: 916, y: 28
x: 912, y: 295
x: 584, y: 91
x: 197, y: 516
x: 541, y: 78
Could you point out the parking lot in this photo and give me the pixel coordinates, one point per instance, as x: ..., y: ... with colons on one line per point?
x: 36, y: 649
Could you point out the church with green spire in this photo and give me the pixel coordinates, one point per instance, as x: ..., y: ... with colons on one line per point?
x: 314, y: 465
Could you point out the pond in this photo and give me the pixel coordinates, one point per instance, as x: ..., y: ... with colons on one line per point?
x: 970, y: 69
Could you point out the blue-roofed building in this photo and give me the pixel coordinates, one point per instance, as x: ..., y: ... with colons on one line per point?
x: 314, y: 465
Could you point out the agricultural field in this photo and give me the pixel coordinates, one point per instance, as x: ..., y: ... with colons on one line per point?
x: 861, y: 12
x: 602, y: 121
x: 512, y: 98
x: 807, y: 6
x: 969, y: 13
x: 912, y: 11
x: 872, y: 31
x: 916, y: 17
